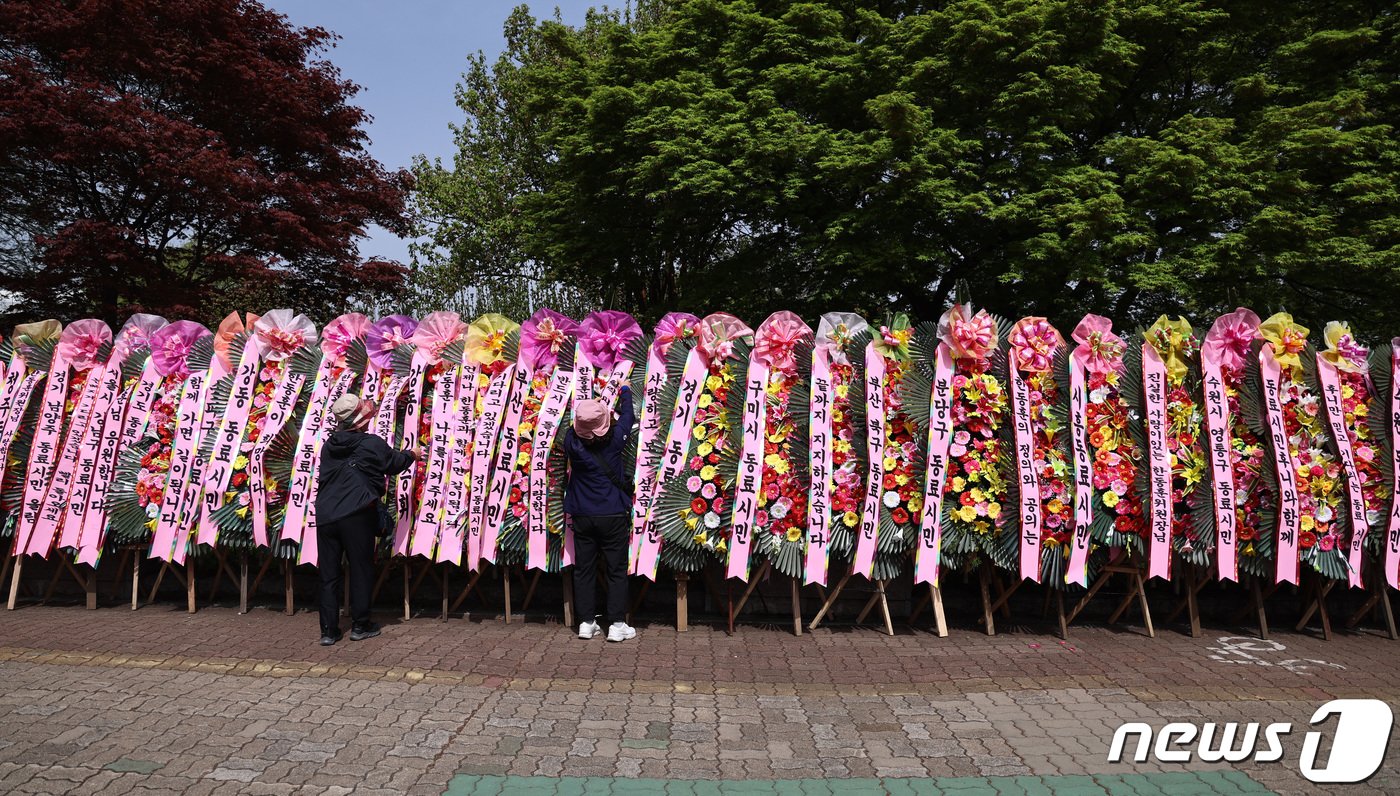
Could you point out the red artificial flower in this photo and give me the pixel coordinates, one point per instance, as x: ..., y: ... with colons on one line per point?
x: 698, y: 505
x: 1307, y: 539
x: 899, y: 515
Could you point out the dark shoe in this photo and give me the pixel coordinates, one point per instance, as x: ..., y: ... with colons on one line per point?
x: 362, y: 633
x: 328, y: 639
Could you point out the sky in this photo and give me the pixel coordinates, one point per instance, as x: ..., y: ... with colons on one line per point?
x: 408, y: 56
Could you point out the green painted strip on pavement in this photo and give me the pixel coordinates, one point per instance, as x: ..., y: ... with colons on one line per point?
x: 1179, y: 783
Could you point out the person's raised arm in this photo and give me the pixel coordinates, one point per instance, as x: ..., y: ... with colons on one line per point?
x: 626, y: 415
x: 386, y: 460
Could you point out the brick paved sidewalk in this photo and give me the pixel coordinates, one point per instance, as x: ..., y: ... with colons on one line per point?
x: 159, y: 700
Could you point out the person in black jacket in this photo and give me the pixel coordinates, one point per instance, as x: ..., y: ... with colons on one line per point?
x: 350, y: 485
x: 598, y: 494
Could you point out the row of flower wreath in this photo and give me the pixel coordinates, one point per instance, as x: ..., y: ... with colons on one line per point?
x: 1239, y: 448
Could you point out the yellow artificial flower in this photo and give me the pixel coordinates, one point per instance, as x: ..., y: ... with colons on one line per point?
x: 842, y: 390
x: 241, y: 462
x: 1309, y: 522
x: 850, y: 519
x: 1176, y: 334
x: 959, y: 483
x: 794, y: 534
x: 1288, y: 339
x: 772, y: 459
x: 698, y: 432
x: 1055, y: 506
x: 994, y: 510
x: 890, y: 463
x: 704, y: 449
x: 706, y: 400
x: 1110, y: 499
x: 720, y: 546
x: 1336, y: 334
x: 700, y: 537
x: 713, y: 383
x: 901, y: 479
x: 966, y: 513
x: 977, y: 494
x: 841, y: 446
x: 486, y: 338
x: 916, y: 504
x: 707, y: 473
x: 782, y: 467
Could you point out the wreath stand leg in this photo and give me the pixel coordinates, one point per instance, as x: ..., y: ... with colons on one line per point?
x: 185, y: 577
x: 880, y: 597
x: 445, y: 578
x: 88, y: 581
x: 830, y: 600
x: 796, y: 607
x: 378, y: 582
x: 243, y: 584
x: 288, y: 578
x: 1379, y: 601
x: 1137, y: 590
x: 5, y: 569
x: 1318, y: 589
x: 1256, y: 605
x: 984, y: 579
x: 567, y: 583
x: 222, y: 568
x: 472, y: 581
x: 1196, y: 579
x: 505, y: 588
x: 636, y: 601
x: 934, y: 597
x: 1002, y: 602
x: 410, y: 590
x: 17, y: 560
x: 682, y: 602
x: 748, y: 592
x: 530, y: 590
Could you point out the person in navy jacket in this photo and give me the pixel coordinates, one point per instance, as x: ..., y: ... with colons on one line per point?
x: 598, y: 494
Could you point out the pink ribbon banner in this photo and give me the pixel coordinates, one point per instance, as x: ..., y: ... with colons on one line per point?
x: 1217, y: 417
x: 143, y: 397
x: 1159, y: 463
x: 189, y: 415
x: 279, y: 411
x: 1356, y: 501
x: 672, y: 457
x: 868, y: 537
x: 1031, y: 517
x: 493, y: 410
x: 19, y: 386
x: 1392, y: 536
x: 55, y: 509
x: 408, y: 440
x: 644, y: 483
x: 459, y: 474
x: 498, y: 498
x: 43, y: 456
x: 556, y: 402
x: 820, y: 445
x: 428, y: 525
x: 227, y: 440
x: 299, y: 504
x: 750, y: 480
x: 94, y: 468
x: 309, y: 553
x: 1289, y: 517
x: 1083, y: 471
x: 940, y: 437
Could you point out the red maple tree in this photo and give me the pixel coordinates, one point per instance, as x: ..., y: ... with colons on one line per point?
x: 184, y: 157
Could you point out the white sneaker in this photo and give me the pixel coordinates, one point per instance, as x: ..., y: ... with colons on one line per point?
x: 589, y: 629
x: 621, y: 631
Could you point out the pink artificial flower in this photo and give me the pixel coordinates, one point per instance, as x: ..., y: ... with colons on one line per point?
x: 1033, y: 344
x: 386, y: 336
x: 604, y: 335
x: 80, y: 341
x: 341, y: 333
x: 970, y: 336
x: 280, y: 333
x: 776, y: 339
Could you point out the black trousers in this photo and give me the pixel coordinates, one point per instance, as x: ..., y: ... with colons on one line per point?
x: 352, y: 536
x: 607, y: 535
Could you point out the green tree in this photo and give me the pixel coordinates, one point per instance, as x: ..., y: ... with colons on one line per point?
x: 1128, y: 157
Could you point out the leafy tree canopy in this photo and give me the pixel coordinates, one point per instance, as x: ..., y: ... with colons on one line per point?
x: 181, y: 156
x: 1128, y: 157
